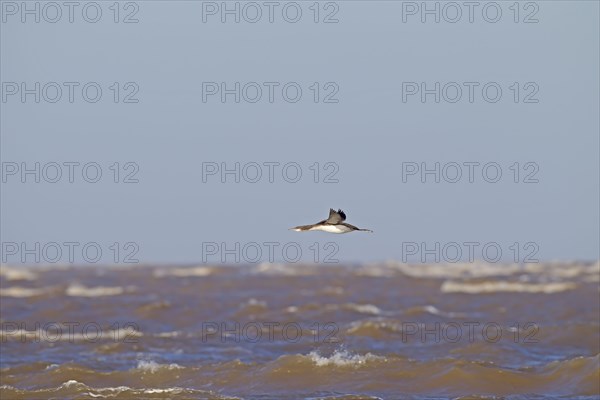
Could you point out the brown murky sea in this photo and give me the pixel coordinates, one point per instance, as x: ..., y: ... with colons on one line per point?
x: 274, y: 331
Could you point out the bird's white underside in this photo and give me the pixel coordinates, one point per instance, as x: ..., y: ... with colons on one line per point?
x: 329, y: 228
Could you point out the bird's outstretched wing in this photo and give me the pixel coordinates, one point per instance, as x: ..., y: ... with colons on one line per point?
x: 335, y: 217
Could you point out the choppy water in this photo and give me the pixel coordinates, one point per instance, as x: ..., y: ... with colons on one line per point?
x: 301, y: 331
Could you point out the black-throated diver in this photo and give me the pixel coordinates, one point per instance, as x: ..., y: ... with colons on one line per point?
x: 334, y: 224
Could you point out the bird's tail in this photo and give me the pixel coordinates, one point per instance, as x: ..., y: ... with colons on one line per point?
x: 366, y: 230
x: 301, y: 228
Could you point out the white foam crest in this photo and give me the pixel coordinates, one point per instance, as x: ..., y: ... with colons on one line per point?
x: 343, y: 358
x: 504, y: 286
x: 436, y: 311
x: 171, y: 334
x: 110, y: 392
x: 481, y: 269
x: 457, y: 270
x: 168, y: 390
x: 66, y: 333
x: 71, y: 383
x: 22, y: 292
x: 282, y: 269
x: 14, y: 274
x: 375, y: 270
x: 364, y: 308
x: 356, y: 326
x: 19, y: 334
x: 153, y: 366
x: 184, y: 272
x: 252, y: 302
x: 333, y: 290
x: 123, y: 334
x: 78, y: 290
x: 355, y: 307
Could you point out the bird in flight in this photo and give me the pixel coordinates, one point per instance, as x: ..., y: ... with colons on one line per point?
x: 334, y: 224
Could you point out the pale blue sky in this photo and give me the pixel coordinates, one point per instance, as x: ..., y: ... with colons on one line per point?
x: 368, y: 134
